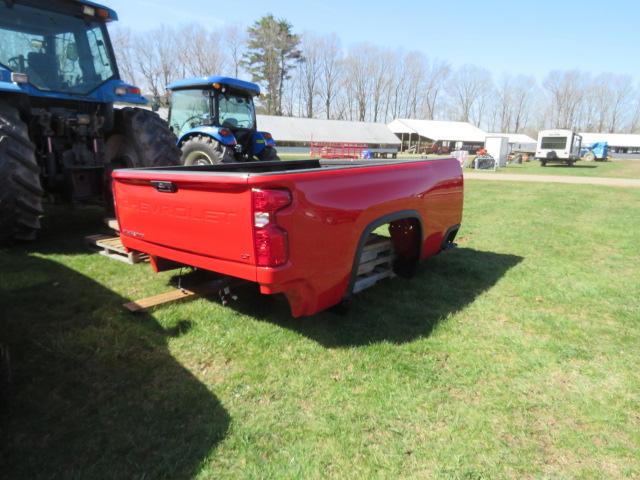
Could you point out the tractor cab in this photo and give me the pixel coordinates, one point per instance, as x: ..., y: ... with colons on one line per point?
x: 214, y: 119
x: 62, y: 134
x: 60, y: 49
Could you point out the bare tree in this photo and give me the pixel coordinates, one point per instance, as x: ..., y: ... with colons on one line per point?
x: 202, y: 51
x: 358, y: 69
x: 310, y: 69
x: 330, y: 71
x: 567, y: 92
x: 468, y: 88
x: 513, y: 95
x: 634, y: 122
x: 622, y: 94
x: 234, y: 40
x: 124, y: 46
x: 437, y: 74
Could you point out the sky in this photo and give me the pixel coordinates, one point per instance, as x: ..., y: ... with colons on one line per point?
x: 503, y: 36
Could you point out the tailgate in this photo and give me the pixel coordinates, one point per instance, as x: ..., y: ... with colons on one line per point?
x: 206, y: 215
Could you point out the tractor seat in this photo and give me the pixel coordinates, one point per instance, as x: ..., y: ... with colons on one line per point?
x: 42, y: 70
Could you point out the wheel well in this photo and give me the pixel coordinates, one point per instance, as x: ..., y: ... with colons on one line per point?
x: 406, y: 232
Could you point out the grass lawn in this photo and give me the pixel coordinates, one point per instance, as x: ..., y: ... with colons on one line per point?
x: 613, y: 169
x: 515, y: 355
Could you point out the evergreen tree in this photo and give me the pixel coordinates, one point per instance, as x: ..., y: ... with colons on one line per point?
x: 272, y: 51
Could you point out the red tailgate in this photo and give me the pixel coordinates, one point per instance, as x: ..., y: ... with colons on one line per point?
x: 176, y: 215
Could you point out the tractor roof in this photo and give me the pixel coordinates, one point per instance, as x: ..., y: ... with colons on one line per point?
x: 207, y: 82
x: 113, y: 16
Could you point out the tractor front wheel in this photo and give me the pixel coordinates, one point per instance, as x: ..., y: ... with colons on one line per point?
x: 20, y: 189
x: 203, y: 150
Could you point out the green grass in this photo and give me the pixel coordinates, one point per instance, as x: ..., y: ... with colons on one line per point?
x: 613, y: 169
x: 515, y: 355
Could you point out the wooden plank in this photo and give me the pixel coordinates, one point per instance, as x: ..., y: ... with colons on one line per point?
x: 369, y: 266
x: 145, y: 303
x: 180, y: 294
x: 370, y: 280
x: 373, y: 249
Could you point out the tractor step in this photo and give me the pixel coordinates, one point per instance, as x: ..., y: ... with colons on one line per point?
x: 110, y: 246
x: 376, y: 263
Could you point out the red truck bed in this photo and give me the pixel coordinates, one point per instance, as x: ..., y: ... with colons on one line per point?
x: 294, y: 227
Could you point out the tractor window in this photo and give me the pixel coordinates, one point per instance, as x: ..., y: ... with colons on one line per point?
x: 58, y: 52
x: 189, y: 108
x: 553, y: 143
x: 235, y: 111
x: 101, y: 59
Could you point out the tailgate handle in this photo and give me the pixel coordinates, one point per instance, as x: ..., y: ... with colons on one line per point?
x: 164, y: 186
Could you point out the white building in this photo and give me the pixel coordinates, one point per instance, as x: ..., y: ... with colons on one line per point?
x: 621, y: 145
x: 295, y: 135
x: 416, y: 135
x: 518, y: 142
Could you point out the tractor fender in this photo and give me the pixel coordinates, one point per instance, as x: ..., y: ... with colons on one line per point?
x: 261, y: 140
x: 10, y: 87
x: 209, y: 131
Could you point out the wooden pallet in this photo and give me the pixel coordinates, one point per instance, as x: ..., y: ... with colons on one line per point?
x: 110, y: 246
x: 376, y: 263
x: 112, y: 223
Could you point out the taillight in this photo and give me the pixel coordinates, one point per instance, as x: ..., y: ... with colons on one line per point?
x: 267, y: 135
x: 127, y: 90
x: 224, y: 132
x: 271, y: 243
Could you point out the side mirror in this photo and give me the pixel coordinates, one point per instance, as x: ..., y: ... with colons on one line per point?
x: 71, y: 52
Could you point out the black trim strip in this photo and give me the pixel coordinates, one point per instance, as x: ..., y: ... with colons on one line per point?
x: 443, y: 245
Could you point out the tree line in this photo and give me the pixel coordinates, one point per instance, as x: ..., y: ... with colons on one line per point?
x: 313, y: 75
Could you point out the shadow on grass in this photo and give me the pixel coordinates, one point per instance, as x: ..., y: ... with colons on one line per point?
x: 95, y: 393
x: 396, y: 310
x: 564, y: 166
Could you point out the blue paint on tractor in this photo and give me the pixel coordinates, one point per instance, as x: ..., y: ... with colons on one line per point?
x: 259, y: 141
x: 210, y: 131
x: 104, y: 93
x: 207, y: 82
x: 599, y: 149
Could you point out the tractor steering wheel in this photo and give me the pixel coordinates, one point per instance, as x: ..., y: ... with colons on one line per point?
x: 193, y: 117
x: 16, y: 63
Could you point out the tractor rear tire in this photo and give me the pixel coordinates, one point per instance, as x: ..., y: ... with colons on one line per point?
x: 204, y: 150
x: 141, y: 139
x: 20, y: 189
x: 269, y: 154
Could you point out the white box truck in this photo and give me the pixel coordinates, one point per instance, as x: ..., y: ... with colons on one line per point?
x: 558, y: 146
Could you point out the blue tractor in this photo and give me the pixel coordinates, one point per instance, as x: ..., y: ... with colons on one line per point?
x: 214, y: 119
x: 60, y: 135
x: 592, y: 152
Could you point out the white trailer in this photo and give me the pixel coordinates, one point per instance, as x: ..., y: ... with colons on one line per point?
x: 498, y: 148
x: 558, y: 146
